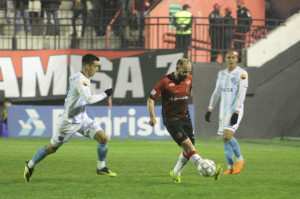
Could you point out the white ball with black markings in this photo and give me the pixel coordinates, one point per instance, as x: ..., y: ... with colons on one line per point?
x: 207, y: 168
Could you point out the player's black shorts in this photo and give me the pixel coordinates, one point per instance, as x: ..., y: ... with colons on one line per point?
x: 180, y: 130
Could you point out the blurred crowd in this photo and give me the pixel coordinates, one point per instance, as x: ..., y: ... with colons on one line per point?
x: 114, y: 17
x: 99, y: 13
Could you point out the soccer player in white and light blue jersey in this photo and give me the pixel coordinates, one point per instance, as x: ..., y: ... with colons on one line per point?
x: 231, y: 86
x: 75, y: 119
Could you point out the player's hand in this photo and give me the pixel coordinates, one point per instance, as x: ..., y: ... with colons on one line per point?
x: 108, y: 92
x: 152, y: 121
x: 234, y: 118
x: 207, y: 116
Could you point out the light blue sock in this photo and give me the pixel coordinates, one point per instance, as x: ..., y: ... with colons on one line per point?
x: 235, y: 147
x: 101, y: 151
x: 40, y: 155
x: 228, y: 153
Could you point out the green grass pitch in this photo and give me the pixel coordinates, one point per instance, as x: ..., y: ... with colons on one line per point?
x: 272, y: 170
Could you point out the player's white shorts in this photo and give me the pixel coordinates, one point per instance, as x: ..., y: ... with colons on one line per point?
x: 224, y: 122
x: 65, y: 130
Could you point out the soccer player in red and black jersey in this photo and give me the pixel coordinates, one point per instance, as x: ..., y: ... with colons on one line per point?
x: 175, y: 90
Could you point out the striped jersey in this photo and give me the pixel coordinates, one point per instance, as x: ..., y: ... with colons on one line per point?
x: 228, y: 87
x: 79, y: 95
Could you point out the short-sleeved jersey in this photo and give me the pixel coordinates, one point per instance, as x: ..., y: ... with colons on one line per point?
x: 75, y: 101
x: 175, y: 97
x: 229, y: 84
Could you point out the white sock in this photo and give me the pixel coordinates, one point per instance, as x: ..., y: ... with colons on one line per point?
x: 230, y: 166
x: 31, y: 164
x: 182, y: 162
x: 101, y: 164
x: 195, y: 158
x: 240, y: 159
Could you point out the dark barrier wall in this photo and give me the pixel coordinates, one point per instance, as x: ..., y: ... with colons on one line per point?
x: 272, y: 108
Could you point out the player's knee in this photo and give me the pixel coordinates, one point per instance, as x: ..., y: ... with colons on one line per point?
x: 51, y: 149
x: 104, y: 139
x: 101, y: 137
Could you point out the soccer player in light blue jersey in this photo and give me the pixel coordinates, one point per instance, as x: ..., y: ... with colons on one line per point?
x: 75, y: 119
x: 231, y: 86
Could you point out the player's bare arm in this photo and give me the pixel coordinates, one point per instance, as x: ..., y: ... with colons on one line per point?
x: 150, y: 105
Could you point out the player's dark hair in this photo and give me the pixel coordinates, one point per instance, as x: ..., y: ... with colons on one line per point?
x: 89, y: 59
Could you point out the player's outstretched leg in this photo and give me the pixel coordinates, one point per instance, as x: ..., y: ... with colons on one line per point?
x: 27, y: 172
x: 29, y: 165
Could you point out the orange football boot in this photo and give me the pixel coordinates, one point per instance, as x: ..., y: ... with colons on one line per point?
x: 238, y: 167
x: 228, y: 171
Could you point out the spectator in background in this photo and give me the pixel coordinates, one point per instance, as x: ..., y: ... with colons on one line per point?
x: 183, y: 21
x: 21, y: 9
x: 43, y: 9
x: 79, y: 8
x: 6, y: 6
x: 141, y: 10
x: 52, y: 8
x: 97, y: 10
x: 215, y: 32
x: 228, y: 34
x: 244, y: 22
x: 3, y: 126
x: 109, y: 10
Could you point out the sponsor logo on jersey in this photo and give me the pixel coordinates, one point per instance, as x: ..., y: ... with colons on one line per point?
x: 171, y: 84
x: 153, y: 92
x: 178, y: 98
x: 84, y: 83
x: 188, y: 82
x: 243, y: 76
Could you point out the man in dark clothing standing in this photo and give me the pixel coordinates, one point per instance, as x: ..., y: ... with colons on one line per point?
x: 52, y: 8
x: 244, y: 22
x: 21, y: 9
x: 215, y: 28
x: 228, y: 27
x: 97, y: 10
x: 142, y: 10
x: 79, y: 8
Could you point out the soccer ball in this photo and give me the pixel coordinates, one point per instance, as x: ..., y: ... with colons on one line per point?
x: 207, y: 168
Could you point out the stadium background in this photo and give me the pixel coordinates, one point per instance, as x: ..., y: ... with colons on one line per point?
x: 273, y: 94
